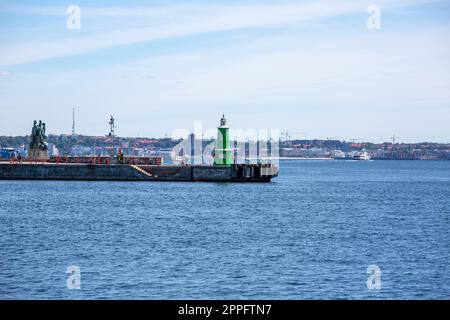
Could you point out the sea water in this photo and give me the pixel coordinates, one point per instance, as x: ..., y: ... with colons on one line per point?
x: 318, y: 231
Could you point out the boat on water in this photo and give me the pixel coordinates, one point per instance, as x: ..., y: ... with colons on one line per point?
x: 353, y: 155
x: 363, y: 155
x: 339, y: 155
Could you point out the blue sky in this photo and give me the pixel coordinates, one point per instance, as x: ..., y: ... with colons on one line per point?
x: 310, y: 67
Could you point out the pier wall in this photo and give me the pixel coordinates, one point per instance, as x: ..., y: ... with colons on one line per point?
x: 203, y: 173
x: 52, y: 171
x: 68, y: 172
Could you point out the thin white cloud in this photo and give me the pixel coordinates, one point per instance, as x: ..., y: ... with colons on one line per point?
x: 364, y: 85
x: 177, y: 21
x: 180, y: 9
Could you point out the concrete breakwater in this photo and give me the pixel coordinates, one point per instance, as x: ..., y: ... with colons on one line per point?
x: 51, y: 171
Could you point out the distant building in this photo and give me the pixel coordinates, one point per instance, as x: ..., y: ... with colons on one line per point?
x: 53, y: 150
x: 138, y: 152
x: 78, y: 151
x: 7, y: 153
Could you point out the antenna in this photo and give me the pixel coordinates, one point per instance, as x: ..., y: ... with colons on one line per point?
x: 111, y: 134
x: 111, y: 127
x: 73, y: 121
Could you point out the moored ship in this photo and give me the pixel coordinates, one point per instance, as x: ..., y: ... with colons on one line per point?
x: 362, y: 155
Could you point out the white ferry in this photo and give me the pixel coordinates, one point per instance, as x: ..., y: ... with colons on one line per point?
x: 361, y: 156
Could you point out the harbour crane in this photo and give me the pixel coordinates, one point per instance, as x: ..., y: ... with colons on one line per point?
x: 289, y: 134
x: 394, y: 138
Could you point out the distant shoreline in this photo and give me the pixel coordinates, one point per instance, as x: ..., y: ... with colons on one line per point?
x: 373, y: 159
x: 303, y: 158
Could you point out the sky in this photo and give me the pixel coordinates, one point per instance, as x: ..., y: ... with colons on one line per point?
x: 312, y: 68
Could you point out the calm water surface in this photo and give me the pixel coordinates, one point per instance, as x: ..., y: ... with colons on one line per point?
x: 310, y: 234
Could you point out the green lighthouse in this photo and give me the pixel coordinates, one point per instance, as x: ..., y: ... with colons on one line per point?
x: 223, y: 154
